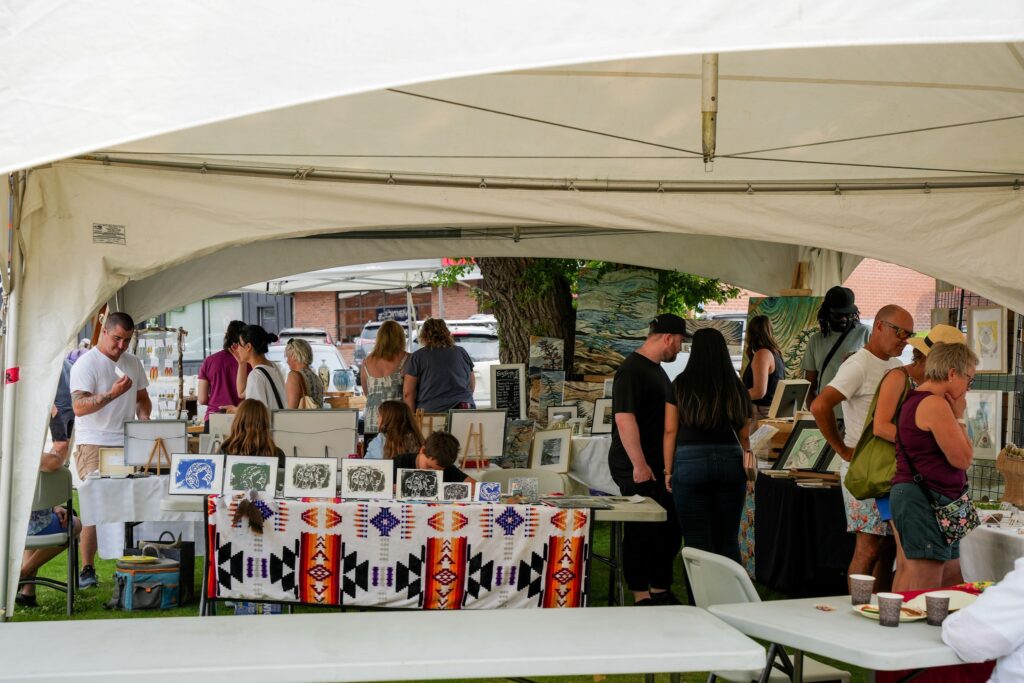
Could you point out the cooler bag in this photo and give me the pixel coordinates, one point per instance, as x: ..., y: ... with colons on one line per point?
x: 138, y: 586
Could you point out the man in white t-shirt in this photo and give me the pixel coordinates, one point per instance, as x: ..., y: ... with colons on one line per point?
x: 854, y: 386
x: 108, y: 387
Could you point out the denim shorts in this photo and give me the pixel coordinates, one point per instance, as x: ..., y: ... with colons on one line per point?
x: 920, y: 534
x: 54, y: 527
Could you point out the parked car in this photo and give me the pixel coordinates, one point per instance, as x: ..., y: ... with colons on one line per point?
x: 482, y: 345
x: 366, y: 340
x: 324, y: 355
x: 311, y: 334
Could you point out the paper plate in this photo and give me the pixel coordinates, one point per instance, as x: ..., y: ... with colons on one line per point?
x: 137, y: 559
x: 906, y: 613
x: 957, y: 600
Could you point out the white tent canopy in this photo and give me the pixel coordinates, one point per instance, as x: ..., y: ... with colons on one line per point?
x: 844, y: 130
x: 391, y: 275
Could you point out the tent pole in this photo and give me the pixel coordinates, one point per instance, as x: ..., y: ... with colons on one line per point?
x: 10, y: 392
x: 410, y: 317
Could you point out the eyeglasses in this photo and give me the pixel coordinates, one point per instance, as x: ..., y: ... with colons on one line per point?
x: 902, y: 334
x: 970, y: 381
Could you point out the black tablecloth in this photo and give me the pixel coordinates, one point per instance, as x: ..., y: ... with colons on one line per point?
x: 801, y: 546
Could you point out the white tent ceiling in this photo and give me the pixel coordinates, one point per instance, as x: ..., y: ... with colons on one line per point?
x: 825, y: 107
x: 353, y: 279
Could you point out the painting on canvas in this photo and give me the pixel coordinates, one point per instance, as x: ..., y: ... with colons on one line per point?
x: 518, y: 439
x: 457, y: 491
x: 732, y: 330
x: 794, y: 319
x: 602, y: 416
x: 984, y: 417
x: 583, y: 395
x: 488, y: 492
x: 372, y: 479
x: 526, y: 487
x: 546, y: 390
x: 419, y: 484
x: 613, y: 312
x: 310, y: 478
x: 244, y: 473
x: 551, y: 450
x: 546, y: 353
x: 986, y: 335
x: 196, y: 474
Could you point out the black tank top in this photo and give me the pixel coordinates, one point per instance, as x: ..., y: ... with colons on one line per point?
x: 773, y: 380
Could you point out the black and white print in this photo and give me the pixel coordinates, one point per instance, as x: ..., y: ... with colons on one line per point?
x: 367, y: 479
x: 419, y: 484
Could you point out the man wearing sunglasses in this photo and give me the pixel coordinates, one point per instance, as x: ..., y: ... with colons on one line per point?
x: 841, y: 334
x: 853, y: 387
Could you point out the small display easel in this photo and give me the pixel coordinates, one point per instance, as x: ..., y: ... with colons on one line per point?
x: 429, y: 423
x: 474, y: 445
x: 160, y: 454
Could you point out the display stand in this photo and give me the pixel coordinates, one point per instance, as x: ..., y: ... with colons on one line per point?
x: 475, y: 445
x: 162, y: 333
x: 429, y: 423
x: 159, y: 453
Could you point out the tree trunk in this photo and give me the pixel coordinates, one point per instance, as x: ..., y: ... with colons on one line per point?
x: 522, y: 312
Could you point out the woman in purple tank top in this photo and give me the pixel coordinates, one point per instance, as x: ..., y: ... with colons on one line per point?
x: 932, y: 441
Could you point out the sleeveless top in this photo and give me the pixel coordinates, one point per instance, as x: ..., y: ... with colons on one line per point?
x: 314, y: 387
x: 924, y: 450
x: 773, y: 380
x: 378, y: 390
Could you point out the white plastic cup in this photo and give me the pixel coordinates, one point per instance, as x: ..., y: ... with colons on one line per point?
x: 889, y: 605
x: 861, y: 587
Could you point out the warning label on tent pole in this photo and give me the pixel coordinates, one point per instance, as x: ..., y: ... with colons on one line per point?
x: 107, y: 233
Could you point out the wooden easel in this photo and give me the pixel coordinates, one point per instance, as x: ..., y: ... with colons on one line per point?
x: 425, y: 421
x: 474, y: 440
x: 159, y: 452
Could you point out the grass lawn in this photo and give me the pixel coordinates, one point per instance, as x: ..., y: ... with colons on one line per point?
x: 89, y: 605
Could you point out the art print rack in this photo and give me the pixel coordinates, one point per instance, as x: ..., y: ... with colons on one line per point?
x: 156, y: 348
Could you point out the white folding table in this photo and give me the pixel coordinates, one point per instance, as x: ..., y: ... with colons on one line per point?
x: 988, y: 552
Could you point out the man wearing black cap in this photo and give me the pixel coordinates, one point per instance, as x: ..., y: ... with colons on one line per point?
x: 636, y: 459
x: 841, y: 335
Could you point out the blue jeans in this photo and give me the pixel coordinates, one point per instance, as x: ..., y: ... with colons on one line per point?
x: 708, y: 487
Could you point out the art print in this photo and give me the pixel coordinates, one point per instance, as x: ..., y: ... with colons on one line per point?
x: 794, y: 319
x: 370, y: 479
x: 614, y: 310
x: 196, y: 474
x: 603, y: 416
x: 518, y: 440
x: 583, y: 395
x: 419, y: 484
x: 243, y: 473
x: 488, y: 492
x: 310, y: 478
x: 578, y: 425
x: 804, y: 448
x: 546, y: 353
x: 563, y: 413
x: 551, y: 450
x: 457, y: 492
x: 528, y: 488
x: 986, y: 335
x: 984, y: 417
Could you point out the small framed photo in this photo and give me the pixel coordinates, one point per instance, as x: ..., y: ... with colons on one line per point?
x: 419, y: 484
x: 371, y: 479
x: 558, y: 414
x: 310, y: 478
x: 830, y: 462
x: 432, y: 422
x: 986, y: 335
x: 244, y: 473
x: 804, y: 449
x: 196, y: 475
x: 488, y: 492
x: 602, y: 416
x: 112, y: 463
x: 457, y: 491
x: 551, y: 449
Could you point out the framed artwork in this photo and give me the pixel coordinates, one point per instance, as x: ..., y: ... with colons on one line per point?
x: 488, y: 492
x: 140, y: 441
x: 790, y: 395
x: 830, y: 462
x: 986, y: 335
x: 944, y: 316
x: 613, y: 312
x: 196, y: 475
x: 310, y: 477
x: 518, y: 439
x: 418, y: 484
x: 527, y: 487
x: 374, y: 479
x: 457, y: 491
x: 112, y: 463
x: 211, y: 443
x: 220, y: 423
x: 608, y: 385
x: 551, y: 449
x: 984, y: 417
x: 432, y: 422
x: 244, y: 473
x: 562, y: 413
x: 578, y: 425
x: 508, y: 390
x: 316, y: 433
x: 804, y: 449
x: 480, y: 432
x: 602, y: 416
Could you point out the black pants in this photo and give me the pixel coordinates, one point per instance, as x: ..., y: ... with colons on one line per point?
x: 649, y: 548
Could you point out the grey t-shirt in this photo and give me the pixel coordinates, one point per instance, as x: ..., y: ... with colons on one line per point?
x: 818, y: 347
x: 442, y: 377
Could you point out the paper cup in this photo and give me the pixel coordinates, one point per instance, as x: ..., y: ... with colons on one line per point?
x: 889, y: 609
x: 937, y: 607
x: 861, y: 587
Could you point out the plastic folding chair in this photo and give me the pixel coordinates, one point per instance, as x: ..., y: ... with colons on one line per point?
x: 52, y: 489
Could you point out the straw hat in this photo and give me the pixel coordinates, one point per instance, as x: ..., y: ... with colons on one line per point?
x: 940, y: 334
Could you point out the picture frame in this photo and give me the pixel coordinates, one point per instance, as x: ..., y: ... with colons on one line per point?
x: 310, y: 477
x: 457, y: 492
x: 804, y: 449
x: 986, y: 335
x: 578, y: 425
x: 220, y: 423
x: 368, y: 479
x: 944, y: 316
x: 568, y: 411
x: 244, y: 473
x: 830, y: 462
x: 508, y: 389
x: 140, y: 437
x: 316, y: 433
x: 492, y: 425
x: 488, y: 492
x: 112, y: 463
x: 518, y: 441
x: 790, y: 395
x: 984, y: 415
x: 418, y: 484
x: 196, y: 475
x: 526, y: 487
x: 603, y: 416
x: 432, y: 422
x: 551, y: 449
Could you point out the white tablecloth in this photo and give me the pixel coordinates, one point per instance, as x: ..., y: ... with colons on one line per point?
x: 109, y: 503
x: 589, y: 463
x: 988, y: 553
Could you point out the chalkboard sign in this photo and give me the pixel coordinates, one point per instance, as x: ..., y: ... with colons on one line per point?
x: 508, y: 390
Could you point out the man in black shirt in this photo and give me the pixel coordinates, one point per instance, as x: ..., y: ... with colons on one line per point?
x: 639, y: 395
x: 439, y: 452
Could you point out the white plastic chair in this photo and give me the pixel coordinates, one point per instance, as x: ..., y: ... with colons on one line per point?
x: 549, y: 482
x: 53, y: 489
x: 717, y: 580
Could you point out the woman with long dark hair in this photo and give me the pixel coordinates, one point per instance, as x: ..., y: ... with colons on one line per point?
x: 264, y: 382
x: 765, y: 366
x: 706, y: 436
x: 398, y: 433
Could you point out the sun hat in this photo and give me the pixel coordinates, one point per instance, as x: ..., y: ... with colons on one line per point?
x: 940, y: 334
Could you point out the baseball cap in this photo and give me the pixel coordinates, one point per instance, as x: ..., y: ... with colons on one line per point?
x: 940, y: 334
x: 668, y: 323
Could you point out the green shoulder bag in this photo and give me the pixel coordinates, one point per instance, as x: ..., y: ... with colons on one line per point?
x: 874, y: 459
